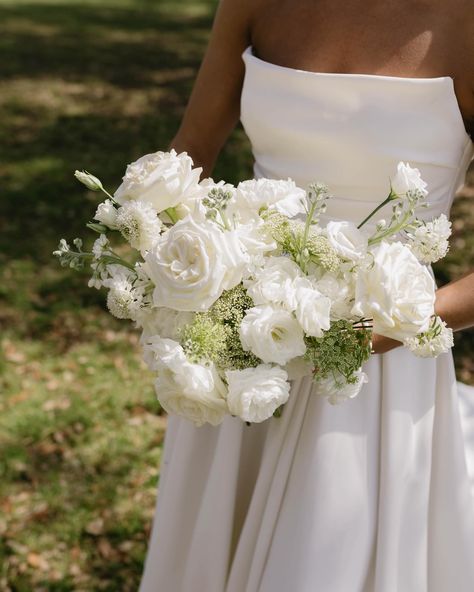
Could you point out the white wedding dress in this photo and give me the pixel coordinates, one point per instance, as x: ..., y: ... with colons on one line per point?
x: 369, y: 496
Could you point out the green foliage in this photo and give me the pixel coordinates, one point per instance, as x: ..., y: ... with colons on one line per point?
x: 342, y: 348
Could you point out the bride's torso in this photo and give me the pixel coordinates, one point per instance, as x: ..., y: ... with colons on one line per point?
x: 350, y: 131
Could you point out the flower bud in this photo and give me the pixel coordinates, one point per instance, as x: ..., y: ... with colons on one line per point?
x: 88, y: 180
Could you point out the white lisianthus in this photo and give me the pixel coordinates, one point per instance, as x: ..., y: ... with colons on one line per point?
x: 347, y: 240
x: 138, y: 223
x: 90, y: 181
x: 429, y: 241
x: 337, y: 389
x: 312, y: 311
x: 283, y: 196
x: 430, y: 344
x: 162, y: 179
x: 274, y: 282
x: 272, y: 334
x: 340, y: 289
x: 124, y: 301
x: 193, y: 391
x: 255, y: 393
x: 397, y: 291
x: 408, y: 179
x: 106, y: 213
x: 192, y: 264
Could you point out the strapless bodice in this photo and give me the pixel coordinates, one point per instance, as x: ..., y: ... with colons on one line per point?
x: 350, y: 131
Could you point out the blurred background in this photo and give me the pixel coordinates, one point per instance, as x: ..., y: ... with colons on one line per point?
x: 92, y: 85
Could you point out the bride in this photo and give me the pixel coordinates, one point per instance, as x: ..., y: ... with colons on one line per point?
x: 371, y: 495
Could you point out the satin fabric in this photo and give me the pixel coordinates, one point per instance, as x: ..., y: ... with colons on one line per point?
x: 369, y: 496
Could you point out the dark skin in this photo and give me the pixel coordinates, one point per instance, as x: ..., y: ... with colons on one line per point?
x: 406, y: 38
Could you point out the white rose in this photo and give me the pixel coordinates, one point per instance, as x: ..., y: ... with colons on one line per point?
x: 192, y: 264
x: 312, y: 311
x: 283, y: 196
x: 396, y: 291
x: 106, y: 213
x: 162, y: 179
x: 192, y: 391
x: 272, y: 334
x: 274, y: 282
x: 337, y: 390
x: 347, y: 240
x: 408, y: 179
x: 255, y: 393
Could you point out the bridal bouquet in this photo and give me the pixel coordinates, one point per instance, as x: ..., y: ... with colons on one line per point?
x: 238, y: 290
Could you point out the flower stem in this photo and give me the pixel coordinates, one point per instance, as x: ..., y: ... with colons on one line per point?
x: 173, y: 216
x: 390, y: 198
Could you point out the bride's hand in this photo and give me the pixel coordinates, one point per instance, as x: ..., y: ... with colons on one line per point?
x: 381, y: 344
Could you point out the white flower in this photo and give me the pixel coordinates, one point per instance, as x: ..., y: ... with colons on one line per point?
x: 139, y: 224
x: 192, y: 264
x: 106, y: 213
x: 430, y: 344
x: 339, y: 288
x: 429, y: 241
x: 272, y: 334
x: 100, y: 246
x: 337, y: 389
x: 312, y: 311
x: 408, y: 179
x: 255, y: 393
x: 192, y: 391
x: 124, y: 301
x: 274, y: 282
x: 397, y: 291
x: 162, y: 179
x: 283, y: 196
x: 347, y: 240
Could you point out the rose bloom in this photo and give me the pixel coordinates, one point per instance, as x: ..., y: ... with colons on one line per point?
x: 162, y: 179
x: 347, y: 240
x: 408, y: 179
x: 397, y: 291
x: 283, y: 196
x: 193, y: 263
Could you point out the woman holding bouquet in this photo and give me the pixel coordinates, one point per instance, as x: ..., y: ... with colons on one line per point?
x: 371, y: 495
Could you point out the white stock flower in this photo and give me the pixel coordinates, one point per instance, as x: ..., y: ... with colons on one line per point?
x: 429, y: 241
x: 274, y: 282
x: 283, y: 196
x: 312, y: 311
x: 408, y: 179
x: 162, y: 179
x: 272, y: 334
x: 255, y: 393
x: 100, y: 246
x: 138, y: 223
x: 106, y: 213
x: 430, y: 344
x: 397, y: 291
x: 347, y: 240
x: 337, y: 389
x: 192, y: 391
x: 192, y: 264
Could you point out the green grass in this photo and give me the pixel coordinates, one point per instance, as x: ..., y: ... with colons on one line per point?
x: 92, y: 85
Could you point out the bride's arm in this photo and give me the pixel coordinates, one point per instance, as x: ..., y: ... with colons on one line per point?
x: 214, y: 106
x: 454, y: 304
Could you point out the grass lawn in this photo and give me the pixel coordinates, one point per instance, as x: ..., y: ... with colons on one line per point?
x: 90, y: 85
